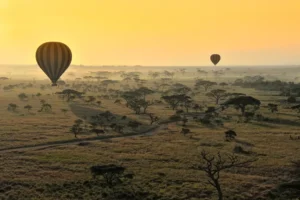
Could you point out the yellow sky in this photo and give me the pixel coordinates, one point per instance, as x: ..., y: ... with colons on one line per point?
x: 153, y: 32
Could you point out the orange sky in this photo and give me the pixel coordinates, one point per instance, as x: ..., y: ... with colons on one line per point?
x: 153, y: 32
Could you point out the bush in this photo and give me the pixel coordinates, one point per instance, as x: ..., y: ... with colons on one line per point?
x: 240, y: 149
x: 292, y: 99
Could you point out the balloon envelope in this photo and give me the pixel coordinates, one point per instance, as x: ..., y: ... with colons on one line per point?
x: 215, y: 58
x: 54, y: 59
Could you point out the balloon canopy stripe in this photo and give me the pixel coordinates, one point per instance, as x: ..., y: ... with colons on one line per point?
x: 54, y: 58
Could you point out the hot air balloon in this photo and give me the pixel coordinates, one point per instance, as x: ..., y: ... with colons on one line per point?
x: 215, y: 58
x: 54, y: 59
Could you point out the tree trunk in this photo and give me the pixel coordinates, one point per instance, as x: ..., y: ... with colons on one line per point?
x: 218, y: 187
x: 243, y: 110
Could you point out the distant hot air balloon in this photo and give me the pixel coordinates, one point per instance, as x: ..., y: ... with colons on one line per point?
x: 54, y: 59
x: 215, y: 58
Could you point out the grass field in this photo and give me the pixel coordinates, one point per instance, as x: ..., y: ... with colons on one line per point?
x: 163, y: 161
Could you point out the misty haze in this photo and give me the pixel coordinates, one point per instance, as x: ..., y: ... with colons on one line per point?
x: 149, y: 100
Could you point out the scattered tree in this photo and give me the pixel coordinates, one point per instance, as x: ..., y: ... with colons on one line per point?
x: 214, y: 165
x: 217, y: 95
x: 28, y: 107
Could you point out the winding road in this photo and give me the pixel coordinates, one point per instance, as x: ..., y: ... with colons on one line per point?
x: 42, y: 146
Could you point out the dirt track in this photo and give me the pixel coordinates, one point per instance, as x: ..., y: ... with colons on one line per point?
x: 41, y: 146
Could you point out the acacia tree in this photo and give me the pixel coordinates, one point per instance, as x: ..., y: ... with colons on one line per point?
x: 169, y: 74
x: 12, y: 107
x: 197, y: 107
x: 187, y: 104
x: 38, y: 95
x: 162, y: 86
x: 90, y: 99
x: 23, y: 97
x: 179, y: 88
x: 223, y: 84
x: 154, y: 75
x: 70, y: 94
x: 76, y: 128
x: 217, y: 95
x: 63, y: 110
x: 153, y: 118
x: 175, y: 100
x: 46, y: 107
x: 136, y: 100
x: 205, y: 84
x: 129, y: 96
x: 241, y: 102
x: 214, y: 165
x: 273, y: 107
x: 134, y: 124
x: 145, y: 105
x: 28, y: 107
x: 143, y: 92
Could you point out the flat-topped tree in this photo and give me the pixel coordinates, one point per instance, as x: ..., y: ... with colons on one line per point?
x: 127, y: 79
x: 154, y: 75
x: 63, y: 110
x: 128, y: 96
x: 241, y: 102
x: 163, y: 86
x: 169, y: 74
x: 175, y: 100
x: 70, y: 94
x: 179, y: 88
x: 205, y: 84
x: 112, y: 174
x: 223, y: 84
x: 23, y: 97
x: 12, y: 107
x: 90, y: 99
x: 45, y: 107
x: 28, y: 107
x: 202, y: 72
x: 198, y: 107
x: 217, y: 95
x: 144, y: 91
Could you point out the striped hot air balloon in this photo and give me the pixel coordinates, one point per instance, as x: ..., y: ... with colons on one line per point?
x: 54, y: 59
x: 215, y: 58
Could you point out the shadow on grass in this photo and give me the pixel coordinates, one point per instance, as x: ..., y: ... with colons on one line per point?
x: 264, y: 125
x: 82, y: 111
x: 244, y: 142
x: 283, y: 122
x: 288, y: 114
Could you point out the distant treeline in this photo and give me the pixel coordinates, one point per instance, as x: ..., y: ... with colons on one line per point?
x: 259, y: 83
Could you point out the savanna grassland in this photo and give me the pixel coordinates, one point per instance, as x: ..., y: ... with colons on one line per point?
x: 158, y: 125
